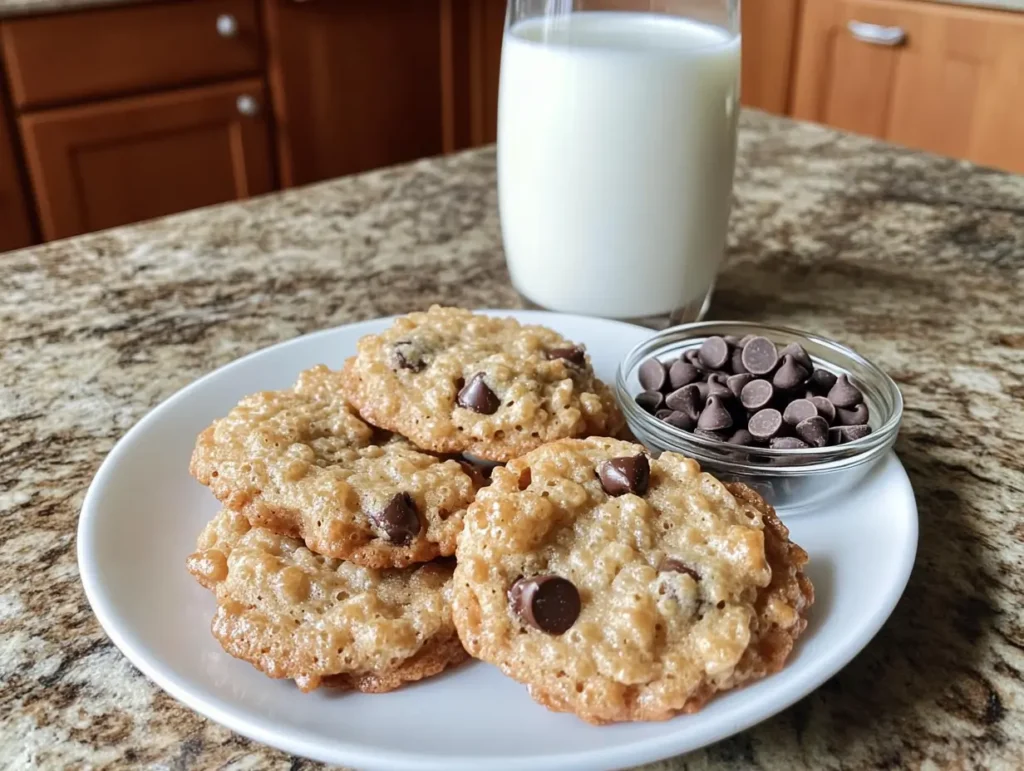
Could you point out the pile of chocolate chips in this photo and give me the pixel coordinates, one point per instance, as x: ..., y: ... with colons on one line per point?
x: 748, y: 392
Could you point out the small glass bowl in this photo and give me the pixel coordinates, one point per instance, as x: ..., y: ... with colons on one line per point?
x: 790, y: 480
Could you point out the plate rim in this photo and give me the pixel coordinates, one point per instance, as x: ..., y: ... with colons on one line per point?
x: 339, y: 750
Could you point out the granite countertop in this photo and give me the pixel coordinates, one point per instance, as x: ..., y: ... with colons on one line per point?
x: 916, y: 261
x: 38, y: 7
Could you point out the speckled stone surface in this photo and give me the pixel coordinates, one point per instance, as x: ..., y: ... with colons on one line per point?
x: 916, y: 261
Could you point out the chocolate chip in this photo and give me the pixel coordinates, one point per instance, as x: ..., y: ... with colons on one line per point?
x: 745, y: 339
x: 799, y: 354
x: 814, y: 431
x: 735, y: 383
x: 821, y: 381
x: 625, y: 475
x: 718, y: 386
x: 548, y: 603
x: 736, y: 362
x: 692, y: 356
x: 649, y: 401
x: 765, y: 424
x: 789, y: 375
x: 757, y: 394
x: 686, y: 399
x: 760, y: 356
x: 743, y: 438
x: 714, y: 352
x: 799, y: 410
x: 405, y: 354
x: 858, y: 416
x: 399, y: 519
x: 476, y: 396
x: 714, y: 416
x: 844, y: 393
x: 844, y: 434
x: 703, y: 391
x: 679, y: 420
x: 652, y: 375
x: 788, y: 443
x: 732, y: 340
x: 575, y: 355
x: 476, y: 473
x: 825, y: 408
x: 682, y: 373
x: 672, y: 565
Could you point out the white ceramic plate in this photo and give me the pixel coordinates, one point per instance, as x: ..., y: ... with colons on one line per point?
x: 143, y: 512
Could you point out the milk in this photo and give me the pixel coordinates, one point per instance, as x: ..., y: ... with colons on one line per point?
x: 616, y: 147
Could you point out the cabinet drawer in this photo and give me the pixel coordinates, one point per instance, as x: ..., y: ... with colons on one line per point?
x: 75, y: 56
x: 100, y: 165
x: 948, y: 82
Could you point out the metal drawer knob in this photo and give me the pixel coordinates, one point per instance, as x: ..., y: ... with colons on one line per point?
x: 876, y: 34
x: 227, y: 25
x: 247, y: 105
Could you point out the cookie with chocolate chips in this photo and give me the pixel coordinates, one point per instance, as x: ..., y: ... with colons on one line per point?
x: 621, y: 587
x: 301, y: 463
x: 321, y: 621
x: 453, y: 381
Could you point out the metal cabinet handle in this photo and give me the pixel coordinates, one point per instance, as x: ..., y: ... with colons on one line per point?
x: 876, y: 34
x: 227, y: 25
x: 247, y: 105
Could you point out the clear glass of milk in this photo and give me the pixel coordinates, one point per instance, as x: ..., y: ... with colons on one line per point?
x: 616, y: 148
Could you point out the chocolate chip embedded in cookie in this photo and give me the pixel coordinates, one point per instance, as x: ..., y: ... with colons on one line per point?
x: 548, y: 603
x: 621, y: 587
x: 299, y: 462
x: 320, y: 621
x: 453, y: 381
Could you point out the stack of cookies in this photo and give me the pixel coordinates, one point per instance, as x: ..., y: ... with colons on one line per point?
x: 614, y: 585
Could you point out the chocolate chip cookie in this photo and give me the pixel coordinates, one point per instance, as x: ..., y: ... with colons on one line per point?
x: 453, y: 381
x: 320, y: 621
x: 302, y: 464
x: 620, y: 587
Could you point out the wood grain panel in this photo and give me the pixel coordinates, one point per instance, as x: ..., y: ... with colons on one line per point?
x: 769, y: 37
x: 68, y: 57
x: 111, y: 163
x: 16, y: 228
x: 953, y: 87
x: 356, y: 85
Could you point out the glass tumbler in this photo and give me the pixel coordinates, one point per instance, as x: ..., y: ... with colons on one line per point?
x: 616, y: 148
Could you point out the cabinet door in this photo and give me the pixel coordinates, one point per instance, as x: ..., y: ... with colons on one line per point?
x: 355, y: 84
x: 769, y: 35
x: 950, y: 83
x: 15, y: 225
x: 98, y: 53
x: 486, y: 28
x: 121, y: 161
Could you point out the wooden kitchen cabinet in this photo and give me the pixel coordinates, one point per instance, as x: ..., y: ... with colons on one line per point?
x: 109, y: 163
x: 951, y: 82
x: 769, y: 34
x: 15, y: 224
x: 355, y: 84
x: 101, y: 52
x: 484, y: 29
